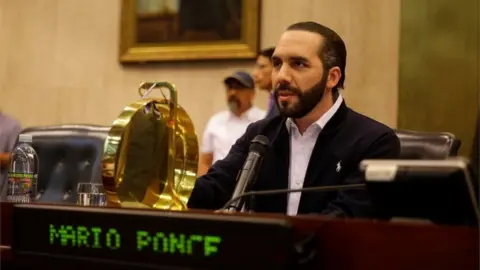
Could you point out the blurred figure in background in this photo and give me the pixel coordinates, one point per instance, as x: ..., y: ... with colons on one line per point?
x: 9, y: 131
x: 263, y: 77
x: 225, y: 127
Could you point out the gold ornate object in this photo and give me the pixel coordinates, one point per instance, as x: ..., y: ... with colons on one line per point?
x: 150, y: 156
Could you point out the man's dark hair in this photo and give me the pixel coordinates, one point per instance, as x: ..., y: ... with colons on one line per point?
x: 268, y: 52
x: 332, y: 52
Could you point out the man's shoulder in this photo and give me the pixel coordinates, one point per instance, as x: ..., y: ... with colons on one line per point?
x: 254, y: 114
x: 265, y: 125
x: 368, y: 125
x: 9, y: 123
x: 367, y: 137
x: 257, y: 113
x: 219, y: 117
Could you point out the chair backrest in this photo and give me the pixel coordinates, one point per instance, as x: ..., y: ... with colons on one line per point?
x: 427, y: 145
x: 68, y: 154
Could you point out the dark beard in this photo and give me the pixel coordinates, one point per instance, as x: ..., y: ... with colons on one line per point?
x: 307, y: 100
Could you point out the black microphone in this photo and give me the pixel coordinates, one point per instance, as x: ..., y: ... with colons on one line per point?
x: 248, y: 174
x: 287, y: 191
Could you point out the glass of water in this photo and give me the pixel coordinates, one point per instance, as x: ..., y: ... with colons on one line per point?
x: 91, y: 194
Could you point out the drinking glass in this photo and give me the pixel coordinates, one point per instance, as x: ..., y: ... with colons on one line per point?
x: 91, y: 194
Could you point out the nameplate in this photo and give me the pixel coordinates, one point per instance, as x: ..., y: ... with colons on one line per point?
x: 156, y: 238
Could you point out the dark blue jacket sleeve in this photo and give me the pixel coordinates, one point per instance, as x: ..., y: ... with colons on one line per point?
x: 215, y: 188
x: 356, y: 203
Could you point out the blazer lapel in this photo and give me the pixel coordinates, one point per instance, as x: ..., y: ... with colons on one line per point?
x: 274, y: 172
x: 280, y: 155
x: 323, y: 153
x: 319, y: 159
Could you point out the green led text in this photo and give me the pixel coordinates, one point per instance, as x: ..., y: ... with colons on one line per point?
x: 178, y: 243
x: 168, y: 243
x: 82, y: 236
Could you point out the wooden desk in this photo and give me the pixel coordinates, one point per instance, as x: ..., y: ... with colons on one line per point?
x: 360, y: 244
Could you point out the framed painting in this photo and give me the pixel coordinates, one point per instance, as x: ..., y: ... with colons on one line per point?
x: 186, y: 30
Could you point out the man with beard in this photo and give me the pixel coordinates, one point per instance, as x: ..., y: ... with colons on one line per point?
x: 225, y: 127
x: 315, y: 141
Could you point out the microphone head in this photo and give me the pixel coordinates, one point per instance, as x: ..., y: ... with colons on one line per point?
x: 259, y: 144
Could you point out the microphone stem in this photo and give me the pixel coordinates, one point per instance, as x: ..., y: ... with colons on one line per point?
x: 252, y: 204
x: 283, y: 191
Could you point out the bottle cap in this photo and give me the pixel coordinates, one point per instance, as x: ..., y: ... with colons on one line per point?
x: 26, y: 138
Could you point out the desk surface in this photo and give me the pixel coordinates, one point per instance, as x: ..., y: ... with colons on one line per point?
x: 360, y: 244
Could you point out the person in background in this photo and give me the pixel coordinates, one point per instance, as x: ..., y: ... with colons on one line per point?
x: 263, y: 77
x: 225, y: 127
x: 9, y: 131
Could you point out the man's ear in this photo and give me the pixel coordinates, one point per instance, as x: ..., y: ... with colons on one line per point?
x: 334, y: 76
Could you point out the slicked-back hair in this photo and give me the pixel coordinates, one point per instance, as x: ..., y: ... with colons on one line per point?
x: 332, y: 51
x: 268, y: 52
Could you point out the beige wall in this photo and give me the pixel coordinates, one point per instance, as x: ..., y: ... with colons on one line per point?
x: 58, y: 59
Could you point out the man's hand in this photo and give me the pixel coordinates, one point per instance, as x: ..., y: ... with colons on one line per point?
x: 205, y: 163
x: 221, y: 211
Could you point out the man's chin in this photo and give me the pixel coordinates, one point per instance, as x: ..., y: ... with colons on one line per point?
x: 291, y: 110
x: 287, y: 111
x: 292, y: 114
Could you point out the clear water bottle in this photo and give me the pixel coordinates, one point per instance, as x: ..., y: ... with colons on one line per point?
x: 23, y: 172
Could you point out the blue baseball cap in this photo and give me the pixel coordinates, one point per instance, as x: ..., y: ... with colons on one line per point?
x: 242, y: 77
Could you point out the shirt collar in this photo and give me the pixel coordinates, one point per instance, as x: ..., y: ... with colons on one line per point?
x: 322, y: 121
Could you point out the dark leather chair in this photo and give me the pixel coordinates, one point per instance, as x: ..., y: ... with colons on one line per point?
x: 68, y: 154
x: 427, y: 145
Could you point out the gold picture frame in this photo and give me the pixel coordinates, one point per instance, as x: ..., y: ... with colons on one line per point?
x: 154, y: 36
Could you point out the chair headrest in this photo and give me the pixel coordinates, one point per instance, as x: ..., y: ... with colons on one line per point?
x: 427, y: 145
x: 68, y: 155
x: 68, y: 130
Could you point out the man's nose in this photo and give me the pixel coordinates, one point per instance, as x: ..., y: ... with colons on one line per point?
x: 283, y: 74
x: 231, y: 94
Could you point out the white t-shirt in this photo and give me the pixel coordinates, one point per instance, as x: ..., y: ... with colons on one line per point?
x: 225, y: 128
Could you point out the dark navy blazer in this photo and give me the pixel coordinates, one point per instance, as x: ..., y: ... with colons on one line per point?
x: 348, y: 137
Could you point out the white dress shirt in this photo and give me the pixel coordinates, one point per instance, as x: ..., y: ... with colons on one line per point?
x: 225, y: 128
x: 301, y: 147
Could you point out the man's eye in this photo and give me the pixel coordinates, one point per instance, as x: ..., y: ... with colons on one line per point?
x: 299, y: 64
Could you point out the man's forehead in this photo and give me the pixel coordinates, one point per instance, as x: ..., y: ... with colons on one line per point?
x: 298, y: 43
